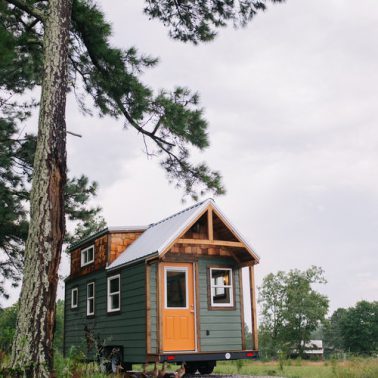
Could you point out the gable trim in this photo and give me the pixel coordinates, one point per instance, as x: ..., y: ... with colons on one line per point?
x: 183, y: 229
x: 233, y: 230
x: 211, y: 208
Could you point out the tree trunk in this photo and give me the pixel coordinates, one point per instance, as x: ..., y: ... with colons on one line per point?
x: 32, y: 346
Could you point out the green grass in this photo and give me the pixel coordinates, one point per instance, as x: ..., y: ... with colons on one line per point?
x: 352, y: 368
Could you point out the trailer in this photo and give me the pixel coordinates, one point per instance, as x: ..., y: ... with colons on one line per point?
x: 171, y: 291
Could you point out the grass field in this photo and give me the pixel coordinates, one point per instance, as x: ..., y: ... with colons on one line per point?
x: 352, y: 368
x: 358, y: 368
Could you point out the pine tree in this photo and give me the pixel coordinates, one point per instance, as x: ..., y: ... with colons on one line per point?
x: 35, y: 31
x: 16, y: 167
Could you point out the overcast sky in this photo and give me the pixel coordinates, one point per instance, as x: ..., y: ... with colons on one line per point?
x: 292, y: 106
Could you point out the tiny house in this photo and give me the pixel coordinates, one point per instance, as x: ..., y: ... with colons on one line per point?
x: 171, y: 291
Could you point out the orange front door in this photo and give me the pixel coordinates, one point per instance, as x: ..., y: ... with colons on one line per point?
x: 178, y: 307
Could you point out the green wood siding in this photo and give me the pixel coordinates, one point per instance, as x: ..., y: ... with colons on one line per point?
x: 126, y: 328
x: 153, y: 299
x: 223, y: 326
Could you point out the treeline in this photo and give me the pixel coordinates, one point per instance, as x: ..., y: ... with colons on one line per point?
x: 354, y: 329
x: 8, y: 318
x: 293, y: 313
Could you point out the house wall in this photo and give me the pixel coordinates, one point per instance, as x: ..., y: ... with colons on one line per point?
x: 153, y: 305
x: 224, y: 326
x: 126, y: 328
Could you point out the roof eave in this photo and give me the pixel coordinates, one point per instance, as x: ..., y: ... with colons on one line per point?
x: 132, y: 262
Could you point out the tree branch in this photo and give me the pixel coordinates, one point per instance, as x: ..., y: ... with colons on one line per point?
x: 38, y: 14
x: 74, y: 134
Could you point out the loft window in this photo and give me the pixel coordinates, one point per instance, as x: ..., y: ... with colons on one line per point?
x: 87, y: 255
x: 114, y: 293
x: 90, y: 298
x: 221, y: 287
x: 74, y: 297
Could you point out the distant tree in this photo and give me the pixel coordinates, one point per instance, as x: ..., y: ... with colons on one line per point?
x: 8, y: 318
x: 333, y: 334
x: 354, y: 329
x: 59, y: 326
x: 291, y: 309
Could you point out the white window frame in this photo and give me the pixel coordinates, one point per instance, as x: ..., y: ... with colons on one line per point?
x: 230, y: 286
x: 84, y: 255
x: 115, y: 293
x: 91, y: 298
x: 73, y: 305
x: 176, y: 269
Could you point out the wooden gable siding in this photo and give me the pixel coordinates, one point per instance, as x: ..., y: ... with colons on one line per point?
x: 126, y: 328
x: 107, y: 248
x: 209, y: 235
x: 199, y: 230
x: 119, y: 242
x: 198, y: 250
x: 100, y: 257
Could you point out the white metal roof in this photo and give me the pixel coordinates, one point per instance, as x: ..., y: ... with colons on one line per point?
x: 160, y: 235
x: 127, y: 228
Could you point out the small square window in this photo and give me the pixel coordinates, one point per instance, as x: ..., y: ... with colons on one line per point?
x: 74, y: 297
x: 91, y: 298
x: 221, y: 289
x: 87, y: 255
x: 114, y: 293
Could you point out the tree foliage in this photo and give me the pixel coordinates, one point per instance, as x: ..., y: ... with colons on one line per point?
x: 8, y: 317
x: 291, y: 309
x: 169, y: 121
x: 16, y: 162
x: 197, y: 21
x: 354, y: 329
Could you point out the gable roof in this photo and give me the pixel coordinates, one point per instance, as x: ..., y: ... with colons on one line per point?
x: 162, y: 234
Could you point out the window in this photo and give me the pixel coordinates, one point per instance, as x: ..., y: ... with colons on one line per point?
x: 114, y: 293
x: 221, y: 287
x: 91, y: 298
x: 87, y: 255
x: 176, y: 283
x: 74, y: 297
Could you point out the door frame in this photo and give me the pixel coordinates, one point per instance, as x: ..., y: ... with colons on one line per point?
x: 162, y: 300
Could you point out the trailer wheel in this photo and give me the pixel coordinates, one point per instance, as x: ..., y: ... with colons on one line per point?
x: 105, y: 366
x: 191, y: 367
x: 207, y: 367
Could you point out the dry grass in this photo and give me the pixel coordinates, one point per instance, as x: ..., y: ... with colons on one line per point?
x: 353, y: 368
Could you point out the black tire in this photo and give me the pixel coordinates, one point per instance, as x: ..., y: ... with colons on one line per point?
x: 207, y: 368
x: 191, y: 368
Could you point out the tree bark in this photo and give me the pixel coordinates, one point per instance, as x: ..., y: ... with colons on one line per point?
x: 32, y: 346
